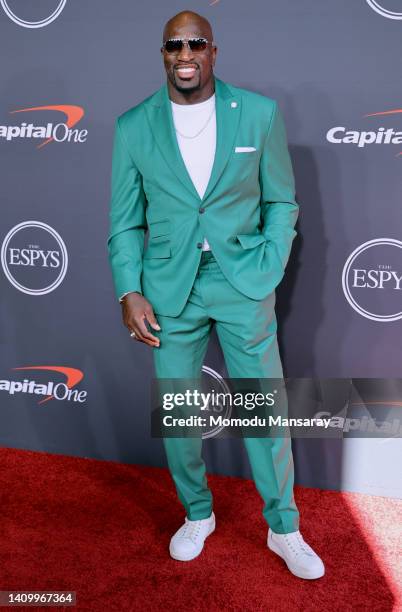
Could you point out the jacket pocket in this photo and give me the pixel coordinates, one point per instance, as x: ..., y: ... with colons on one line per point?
x: 245, y: 155
x: 158, y: 249
x: 249, y: 241
x: 159, y: 228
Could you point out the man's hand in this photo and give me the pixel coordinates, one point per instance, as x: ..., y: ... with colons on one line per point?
x: 137, y: 310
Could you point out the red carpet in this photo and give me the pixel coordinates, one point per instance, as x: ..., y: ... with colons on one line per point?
x: 102, y: 529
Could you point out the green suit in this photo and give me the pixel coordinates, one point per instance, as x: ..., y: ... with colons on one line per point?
x: 250, y: 209
x: 247, y: 214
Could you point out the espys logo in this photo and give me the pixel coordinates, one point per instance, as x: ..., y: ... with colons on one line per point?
x: 58, y: 391
x: 372, y: 279
x: 224, y: 410
x: 34, y: 257
x: 57, y: 6
x: 382, y: 9
x: 58, y: 132
x: 382, y: 136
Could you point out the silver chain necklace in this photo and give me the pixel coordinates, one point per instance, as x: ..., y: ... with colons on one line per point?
x: 200, y: 131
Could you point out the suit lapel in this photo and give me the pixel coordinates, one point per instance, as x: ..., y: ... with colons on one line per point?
x: 228, y: 109
x: 161, y: 120
x: 160, y: 117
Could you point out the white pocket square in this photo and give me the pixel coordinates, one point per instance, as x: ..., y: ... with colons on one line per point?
x: 244, y: 149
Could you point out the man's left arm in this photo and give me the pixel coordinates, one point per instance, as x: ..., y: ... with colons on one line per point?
x: 279, y: 209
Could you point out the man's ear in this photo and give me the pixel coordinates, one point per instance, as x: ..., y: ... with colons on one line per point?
x: 214, y: 55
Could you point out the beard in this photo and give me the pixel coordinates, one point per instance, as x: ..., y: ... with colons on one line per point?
x: 183, y: 86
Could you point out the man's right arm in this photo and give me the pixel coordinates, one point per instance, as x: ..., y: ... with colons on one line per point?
x: 126, y: 241
x: 127, y: 218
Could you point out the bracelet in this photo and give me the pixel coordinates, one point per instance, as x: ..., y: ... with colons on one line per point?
x: 121, y: 298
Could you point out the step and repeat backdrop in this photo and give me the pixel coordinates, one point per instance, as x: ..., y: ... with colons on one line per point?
x: 71, y: 379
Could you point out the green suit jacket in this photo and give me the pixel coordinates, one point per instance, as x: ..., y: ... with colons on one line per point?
x: 247, y: 214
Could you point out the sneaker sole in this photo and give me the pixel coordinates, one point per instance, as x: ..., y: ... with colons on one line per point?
x: 293, y: 570
x: 194, y: 556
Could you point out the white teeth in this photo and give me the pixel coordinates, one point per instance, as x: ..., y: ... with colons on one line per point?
x: 185, y: 69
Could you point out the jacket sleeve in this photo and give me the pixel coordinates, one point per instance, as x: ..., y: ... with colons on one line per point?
x: 125, y: 241
x: 279, y: 209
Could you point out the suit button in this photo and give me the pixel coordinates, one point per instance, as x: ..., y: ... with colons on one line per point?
x: 199, y: 245
x: 201, y: 210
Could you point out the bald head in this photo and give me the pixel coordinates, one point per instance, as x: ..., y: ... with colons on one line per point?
x: 190, y: 19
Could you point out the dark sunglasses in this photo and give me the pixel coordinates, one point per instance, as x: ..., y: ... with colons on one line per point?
x: 175, y: 45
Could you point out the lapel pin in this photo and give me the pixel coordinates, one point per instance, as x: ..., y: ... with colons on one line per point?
x: 233, y: 104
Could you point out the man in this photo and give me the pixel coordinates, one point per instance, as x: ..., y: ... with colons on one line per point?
x: 204, y: 166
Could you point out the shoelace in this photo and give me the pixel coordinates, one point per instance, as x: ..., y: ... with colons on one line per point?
x: 191, y: 530
x: 297, y: 544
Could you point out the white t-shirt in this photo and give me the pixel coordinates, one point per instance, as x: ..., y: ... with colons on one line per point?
x: 198, y: 120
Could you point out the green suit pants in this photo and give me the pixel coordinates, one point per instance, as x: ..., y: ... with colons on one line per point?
x: 246, y: 329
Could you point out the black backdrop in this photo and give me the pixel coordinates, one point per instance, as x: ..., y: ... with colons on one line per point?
x: 69, y: 68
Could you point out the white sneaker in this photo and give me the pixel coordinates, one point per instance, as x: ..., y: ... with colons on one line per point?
x: 188, y: 541
x: 300, y: 558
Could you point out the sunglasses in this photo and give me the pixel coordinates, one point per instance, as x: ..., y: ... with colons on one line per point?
x: 175, y: 45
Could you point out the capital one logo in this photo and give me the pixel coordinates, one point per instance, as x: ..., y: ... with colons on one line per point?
x: 49, y: 389
x: 52, y: 132
x: 56, y: 8
x: 372, y: 279
x: 34, y: 258
x: 341, y: 135
x: 383, y: 8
